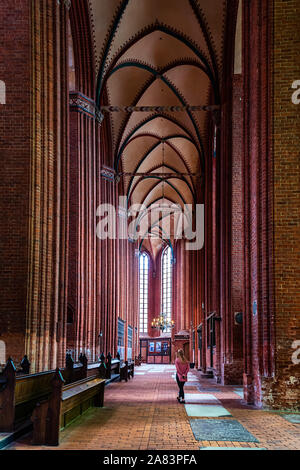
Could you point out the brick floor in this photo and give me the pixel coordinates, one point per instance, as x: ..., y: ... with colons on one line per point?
x: 144, y: 414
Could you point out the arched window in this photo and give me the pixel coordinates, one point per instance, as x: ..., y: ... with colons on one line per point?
x: 166, y: 284
x: 144, y: 280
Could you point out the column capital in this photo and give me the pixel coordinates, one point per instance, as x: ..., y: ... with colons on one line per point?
x: 83, y: 104
x: 108, y: 173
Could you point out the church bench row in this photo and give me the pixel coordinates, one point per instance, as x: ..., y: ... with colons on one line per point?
x: 138, y: 360
x: 22, y: 367
x: 20, y: 395
x: 65, y: 404
x: 127, y: 370
x: 116, y: 368
x: 109, y: 368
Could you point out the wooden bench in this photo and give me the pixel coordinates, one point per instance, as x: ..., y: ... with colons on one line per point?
x: 65, y: 403
x: 126, y: 370
x: 108, y: 368
x: 112, y: 367
x: 22, y: 367
x: 138, y: 360
x: 74, y: 372
x: 94, y: 369
x: 20, y: 394
x: 130, y: 369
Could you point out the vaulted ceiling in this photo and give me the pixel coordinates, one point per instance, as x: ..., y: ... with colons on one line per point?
x: 159, y: 53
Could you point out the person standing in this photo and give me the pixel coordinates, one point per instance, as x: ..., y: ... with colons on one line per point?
x: 182, y: 368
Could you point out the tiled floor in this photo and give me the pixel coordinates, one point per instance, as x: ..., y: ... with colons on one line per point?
x: 144, y: 414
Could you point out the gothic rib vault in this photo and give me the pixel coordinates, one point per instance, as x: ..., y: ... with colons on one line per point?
x: 153, y: 53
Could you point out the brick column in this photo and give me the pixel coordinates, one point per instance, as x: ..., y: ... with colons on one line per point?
x: 280, y: 384
x: 15, y: 150
x: 82, y: 239
x: 258, y: 330
x: 48, y: 251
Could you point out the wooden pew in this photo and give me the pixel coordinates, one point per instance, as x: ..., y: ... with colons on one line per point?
x: 130, y: 369
x: 96, y: 368
x: 138, y: 360
x: 108, y: 368
x: 20, y: 394
x: 115, y: 367
x: 73, y: 372
x: 24, y: 368
x: 112, y: 367
x: 65, y: 403
x: 124, y: 371
x: 7, y: 396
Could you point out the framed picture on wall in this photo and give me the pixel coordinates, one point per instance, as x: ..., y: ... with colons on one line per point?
x: 151, y: 347
x: 158, y: 346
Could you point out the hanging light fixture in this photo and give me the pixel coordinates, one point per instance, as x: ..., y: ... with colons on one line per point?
x: 162, y: 323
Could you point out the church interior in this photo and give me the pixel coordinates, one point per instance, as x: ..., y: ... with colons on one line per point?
x: 149, y: 198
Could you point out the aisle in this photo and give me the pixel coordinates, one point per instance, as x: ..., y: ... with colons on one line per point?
x: 144, y: 414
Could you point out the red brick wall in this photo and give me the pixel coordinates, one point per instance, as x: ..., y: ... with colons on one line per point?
x: 14, y: 178
x: 283, y: 390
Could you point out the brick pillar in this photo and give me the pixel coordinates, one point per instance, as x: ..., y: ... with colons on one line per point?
x: 15, y: 150
x: 48, y: 248
x: 233, y: 363
x: 225, y: 325
x: 82, y: 236
x: 257, y: 161
x: 207, y: 258
x: 281, y: 388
